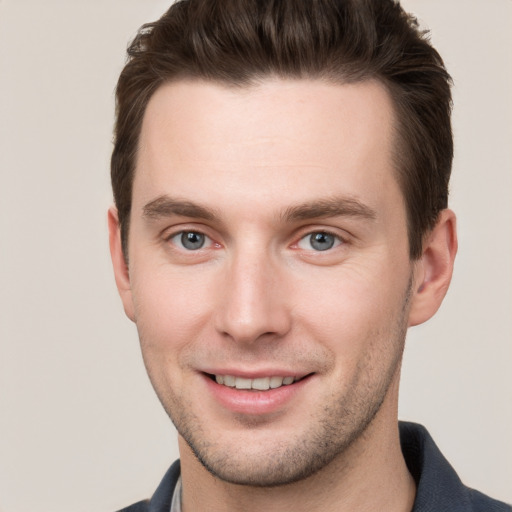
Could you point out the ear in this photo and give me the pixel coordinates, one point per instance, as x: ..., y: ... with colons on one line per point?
x: 121, y: 271
x: 433, y: 271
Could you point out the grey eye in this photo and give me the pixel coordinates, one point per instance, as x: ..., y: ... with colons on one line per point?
x: 322, y: 241
x: 319, y: 241
x: 191, y: 240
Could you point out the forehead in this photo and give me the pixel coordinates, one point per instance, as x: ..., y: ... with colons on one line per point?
x: 302, y: 137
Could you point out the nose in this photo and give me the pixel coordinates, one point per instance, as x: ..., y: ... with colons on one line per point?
x: 253, y: 302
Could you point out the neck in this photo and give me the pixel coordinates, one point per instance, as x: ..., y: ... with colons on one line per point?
x: 371, y: 475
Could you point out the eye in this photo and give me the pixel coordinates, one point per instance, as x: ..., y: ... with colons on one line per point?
x: 319, y: 241
x: 190, y: 240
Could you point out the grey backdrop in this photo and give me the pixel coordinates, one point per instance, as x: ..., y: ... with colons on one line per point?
x: 80, y: 427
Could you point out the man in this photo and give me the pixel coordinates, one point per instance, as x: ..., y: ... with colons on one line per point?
x: 280, y: 174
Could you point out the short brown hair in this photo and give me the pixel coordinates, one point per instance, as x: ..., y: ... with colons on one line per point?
x: 238, y: 42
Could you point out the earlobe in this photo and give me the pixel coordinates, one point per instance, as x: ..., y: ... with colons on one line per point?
x: 434, y: 270
x: 121, y: 272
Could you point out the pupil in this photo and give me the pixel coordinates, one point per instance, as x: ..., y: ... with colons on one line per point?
x: 322, y: 241
x: 191, y: 240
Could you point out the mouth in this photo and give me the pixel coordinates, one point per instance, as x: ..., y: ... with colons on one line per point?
x: 257, y: 394
x: 257, y: 384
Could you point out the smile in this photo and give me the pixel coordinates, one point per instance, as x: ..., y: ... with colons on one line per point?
x: 257, y: 394
x: 259, y: 384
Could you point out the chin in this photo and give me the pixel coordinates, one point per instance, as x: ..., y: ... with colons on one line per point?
x: 275, y: 458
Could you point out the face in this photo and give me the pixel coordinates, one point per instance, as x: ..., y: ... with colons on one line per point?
x: 269, y: 274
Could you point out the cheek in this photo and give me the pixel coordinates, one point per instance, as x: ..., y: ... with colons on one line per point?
x: 350, y: 308
x: 170, y: 309
x: 170, y: 316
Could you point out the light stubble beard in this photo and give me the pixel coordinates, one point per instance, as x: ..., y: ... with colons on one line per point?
x: 343, y: 421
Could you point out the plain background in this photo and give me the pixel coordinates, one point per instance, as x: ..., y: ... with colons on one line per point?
x: 80, y: 427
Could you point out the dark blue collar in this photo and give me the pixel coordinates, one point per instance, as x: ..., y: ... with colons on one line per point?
x: 439, y: 489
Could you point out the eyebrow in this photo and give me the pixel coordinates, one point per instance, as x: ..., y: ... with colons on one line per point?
x: 331, y: 207
x: 165, y: 206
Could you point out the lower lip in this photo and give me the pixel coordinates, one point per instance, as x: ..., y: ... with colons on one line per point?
x: 254, y: 402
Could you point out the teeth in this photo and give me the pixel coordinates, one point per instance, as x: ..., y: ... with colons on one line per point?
x: 242, y: 383
x: 276, y: 382
x: 260, y: 384
x: 229, y: 381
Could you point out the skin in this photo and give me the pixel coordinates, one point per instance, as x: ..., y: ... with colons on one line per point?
x: 257, y: 171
